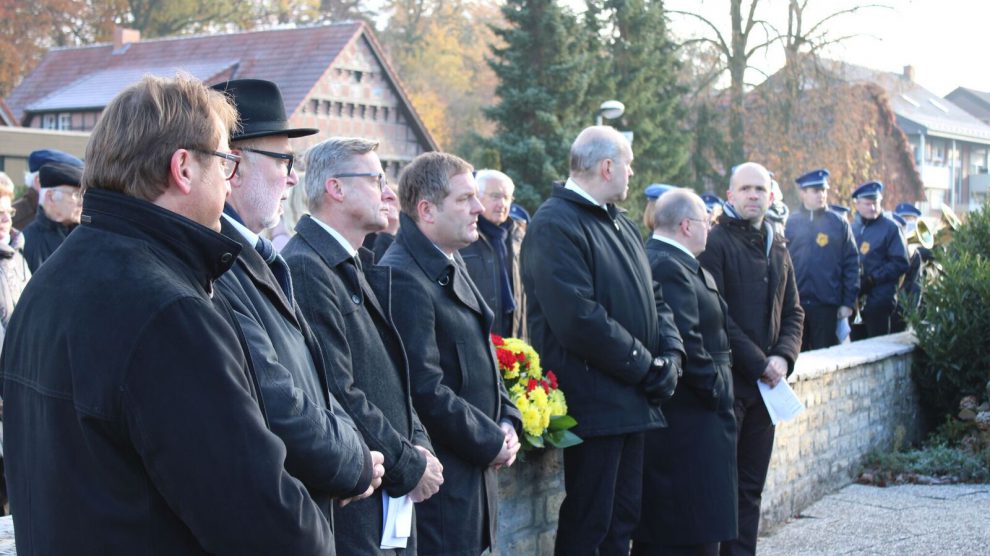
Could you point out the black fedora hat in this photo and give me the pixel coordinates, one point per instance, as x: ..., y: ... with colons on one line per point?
x: 259, y: 104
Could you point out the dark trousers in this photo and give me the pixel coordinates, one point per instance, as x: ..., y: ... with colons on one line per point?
x: 603, y: 480
x: 755, y: 443
x: 651, y: 549
x: 876, y: 320
x: 819, y: 327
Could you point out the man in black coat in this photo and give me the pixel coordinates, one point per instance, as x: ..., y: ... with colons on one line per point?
x: 348, y: 302
x: 593, y: 318
x: 493, y: 260
x: 27, y: 205
x: 689, y: 480
x: 753, y: 270
x: 58, y: 213
x: 446, y: 326
x: 324, y: 450
x: 131, y: 420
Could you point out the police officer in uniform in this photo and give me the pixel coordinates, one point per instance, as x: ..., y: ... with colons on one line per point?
x: 825, y: 262
x: 919, y: 257
x: 883, y: 259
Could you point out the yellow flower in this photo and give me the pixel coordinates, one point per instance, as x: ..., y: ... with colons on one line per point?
x: 531, y: 420
x: 558, y: 405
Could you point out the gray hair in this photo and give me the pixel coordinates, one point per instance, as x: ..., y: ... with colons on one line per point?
x: 6, y: 186
x: 427, y: 177
x: 674, y: 206
x: 327, y: 159
x: 486, y: 175
x: 594, y: 145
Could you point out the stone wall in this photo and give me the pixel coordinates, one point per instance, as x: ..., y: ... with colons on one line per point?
x: 858, y: 396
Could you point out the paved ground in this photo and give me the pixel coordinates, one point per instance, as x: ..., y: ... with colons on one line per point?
x: 900, y: 520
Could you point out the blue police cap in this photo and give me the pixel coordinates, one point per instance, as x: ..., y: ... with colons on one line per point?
x: 814, y: 178
x: 868, y: 189
x: 839, y: 209
x: 711, y: 199
x: 907, y: 209
x: 899, y: 219
x: 39, y: 158
x: 654, y: 191
x: 516, y: 212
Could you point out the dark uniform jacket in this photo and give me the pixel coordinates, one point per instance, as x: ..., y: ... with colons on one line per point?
x: 131, y: 420
x: 757, y: 282
x: 42, y: 237
x: 351, y: 317
x: 457, y: 390
x: 689, y: 474
x: 324, y: 450
x: 826, y: 263
x: 593, y: 312
x: 883, y: 257
x: 485, y: 268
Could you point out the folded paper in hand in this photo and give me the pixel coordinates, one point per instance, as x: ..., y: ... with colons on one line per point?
x: 397, y: 514
x: 781, y: 401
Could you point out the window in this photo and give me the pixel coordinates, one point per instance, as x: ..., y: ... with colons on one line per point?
x: 65, y: 121
x: 49, y: 121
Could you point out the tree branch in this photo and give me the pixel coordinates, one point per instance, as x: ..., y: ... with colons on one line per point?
x: 721, y: 44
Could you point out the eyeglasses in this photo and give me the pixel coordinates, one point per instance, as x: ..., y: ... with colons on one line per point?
x: 382, y: 180
x: 228, y: 162
x: 72, y: 193
x: 705, y: 221
x: 290, y: 158
x: 10, y: 213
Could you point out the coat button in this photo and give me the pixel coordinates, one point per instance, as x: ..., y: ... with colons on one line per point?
x: 765, y: 279
x: 356, y: 298
x: 226, y: 258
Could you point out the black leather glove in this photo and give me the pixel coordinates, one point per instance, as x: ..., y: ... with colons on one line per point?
x: 866, y: 284
x: 661, y: 379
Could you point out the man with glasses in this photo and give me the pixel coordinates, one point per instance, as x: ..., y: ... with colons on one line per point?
x: 132, y: 420
x: 58, y: 214
x: 323, y: 448
x: 493, y: 260
x: 347, y: 299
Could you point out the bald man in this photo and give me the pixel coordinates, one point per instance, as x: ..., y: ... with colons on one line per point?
x: 595, y: 320
x: 754, y: 273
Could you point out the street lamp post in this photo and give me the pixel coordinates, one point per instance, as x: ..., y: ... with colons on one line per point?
x: 609, y: 110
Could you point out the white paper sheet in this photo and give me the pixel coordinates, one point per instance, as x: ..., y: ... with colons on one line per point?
x: 781, y: 401
x: 397, y: 513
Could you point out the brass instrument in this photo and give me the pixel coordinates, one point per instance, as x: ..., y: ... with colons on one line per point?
x: 922, y: 235
x: 950, y: 223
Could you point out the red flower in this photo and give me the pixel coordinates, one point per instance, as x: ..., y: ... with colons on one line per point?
x: 546, y: 387
x: 505, y: 358
x: 531, y: 385
x: 497, y: 340
x: 553, y: 379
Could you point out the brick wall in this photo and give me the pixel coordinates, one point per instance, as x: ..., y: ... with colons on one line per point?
x: 858, y: 397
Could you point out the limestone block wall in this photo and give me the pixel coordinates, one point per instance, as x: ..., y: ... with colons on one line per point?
x: 858, y: 396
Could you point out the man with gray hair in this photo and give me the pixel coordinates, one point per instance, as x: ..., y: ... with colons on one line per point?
x: 595, y: 320
x: 446, y: 326
x: 754, y: 273
x: 689, y: 480
x: 493, y: 260
x: 347, y: 300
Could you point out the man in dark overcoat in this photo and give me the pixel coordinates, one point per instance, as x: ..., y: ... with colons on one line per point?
x: 324, y: 450
x: 347, y: 300
x: 689, y: 476
x: 131, y: 420
x: 445, y: 326
x: 593, y: 318
x: 58, y: 214
x: 493, y: 260
x: 27, y: 204
x: 753, y: 271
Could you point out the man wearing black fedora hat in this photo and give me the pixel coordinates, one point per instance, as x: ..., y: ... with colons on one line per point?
x: 323, y: 448
x: 58, y: 214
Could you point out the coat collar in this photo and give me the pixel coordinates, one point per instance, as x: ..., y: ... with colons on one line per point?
x: 565, y: 194
x: 436, y: 265
x: 258, y: 271
x: 680, y: 256
x: 205, y: 252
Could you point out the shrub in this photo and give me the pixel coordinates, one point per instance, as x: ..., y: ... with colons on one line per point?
x: 952, y: 323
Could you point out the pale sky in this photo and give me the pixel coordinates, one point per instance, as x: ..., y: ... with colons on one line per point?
x: 943, y: 39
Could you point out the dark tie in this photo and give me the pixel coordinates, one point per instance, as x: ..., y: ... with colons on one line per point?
x: 277, y: 265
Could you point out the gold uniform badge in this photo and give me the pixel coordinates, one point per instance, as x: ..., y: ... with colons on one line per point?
x: 864, y: 248
x: 822, y: 239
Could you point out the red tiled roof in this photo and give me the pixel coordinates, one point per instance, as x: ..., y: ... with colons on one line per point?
x: 87, y: 77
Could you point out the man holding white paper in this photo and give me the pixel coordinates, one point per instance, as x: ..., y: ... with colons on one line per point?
x: 755, y: 275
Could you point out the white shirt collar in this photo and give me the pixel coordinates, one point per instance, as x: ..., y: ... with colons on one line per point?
x: 336, y: 235
x: 573, y: 186
x: 242, y: 229
x: 675, y: 243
